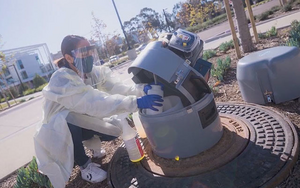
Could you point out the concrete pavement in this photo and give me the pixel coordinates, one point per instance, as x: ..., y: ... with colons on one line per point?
x: 17, y: 125
x: 278, y: 23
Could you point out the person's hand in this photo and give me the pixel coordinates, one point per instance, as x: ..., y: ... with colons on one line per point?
x: 148, y: 86
x: 149, y: 101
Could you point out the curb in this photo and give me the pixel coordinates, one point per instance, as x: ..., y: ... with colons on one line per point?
x: 216, y: 37
x: 7, y: 110
x: 16, y: 171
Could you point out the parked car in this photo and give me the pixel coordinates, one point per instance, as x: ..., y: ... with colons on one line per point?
x: 113, y: 58
x: 141, y: 47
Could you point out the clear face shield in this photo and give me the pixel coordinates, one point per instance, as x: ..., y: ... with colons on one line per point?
x: 85, y: 58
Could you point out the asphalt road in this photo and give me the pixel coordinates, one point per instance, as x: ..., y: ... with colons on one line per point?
x: 216, y: 30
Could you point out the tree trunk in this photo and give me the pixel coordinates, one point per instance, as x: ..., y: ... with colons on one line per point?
x: 4, y: 97
x: 242, y: 25
x: 8, y: 88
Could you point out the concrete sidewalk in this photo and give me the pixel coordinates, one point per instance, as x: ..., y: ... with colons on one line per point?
x: 17, y: 127
x: 278, y: 23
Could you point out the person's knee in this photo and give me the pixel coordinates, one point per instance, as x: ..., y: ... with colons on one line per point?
x: 107, y: 137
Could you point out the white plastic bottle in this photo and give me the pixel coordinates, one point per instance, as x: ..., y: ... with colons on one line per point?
x: 155, y: 89
x: 132, y: 142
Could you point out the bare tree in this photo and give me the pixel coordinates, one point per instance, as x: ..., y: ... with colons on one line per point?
x: 98, y: 28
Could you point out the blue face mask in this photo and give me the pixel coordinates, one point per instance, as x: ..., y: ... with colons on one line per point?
x: 87, y: 63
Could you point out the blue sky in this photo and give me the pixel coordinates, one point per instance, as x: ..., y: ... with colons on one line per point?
x: 29, y: 22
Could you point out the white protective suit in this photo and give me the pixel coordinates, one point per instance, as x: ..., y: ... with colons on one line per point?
x: 65, y: 93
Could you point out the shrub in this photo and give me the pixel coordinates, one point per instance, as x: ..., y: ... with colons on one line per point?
x: 294, y: 35
x: 222, y: 66
x: 23, y: 88
x: 287, y: 7
x: 208, y: 54
x: 40, y: 88
x: 275, y: 9
x: 208, y: 23
x: 38, y: 81
x: 30, y: 177
x: 262, y: 36
x: 2, y: 100
x: 14, y: 92
x: 28, y: 91
x: 225, y: 46
x: 23, y: 100
x: 263, y: 16
x: 271, y: 12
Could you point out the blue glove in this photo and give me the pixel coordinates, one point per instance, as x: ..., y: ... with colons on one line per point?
x: 147, y: 87
x: 148, y: 101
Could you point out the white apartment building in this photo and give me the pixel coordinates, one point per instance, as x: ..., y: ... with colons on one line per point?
x: 22, y: 64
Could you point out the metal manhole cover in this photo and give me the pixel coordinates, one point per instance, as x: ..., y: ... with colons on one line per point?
x: 234, y: 140
x: 270, y: 154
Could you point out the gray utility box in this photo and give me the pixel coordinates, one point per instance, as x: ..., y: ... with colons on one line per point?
x: 271, y: 75
x: 190, y: 129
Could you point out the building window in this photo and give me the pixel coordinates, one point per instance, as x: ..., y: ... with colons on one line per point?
x: 20, y: 64
x: 24, y: 75
x: 1, y: 83
x: 10, y: 80
x: 6, y: 72
x: 38, y: 60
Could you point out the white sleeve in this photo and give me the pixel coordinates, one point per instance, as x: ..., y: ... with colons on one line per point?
x: 71, y: 92
x: 113, y: 85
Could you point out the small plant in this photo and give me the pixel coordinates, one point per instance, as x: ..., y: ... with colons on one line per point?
x: 214, y: 89
x: 262, y: 36
x: 209, y: 54
x: 270, y: 33
x: 222, y: 66
x: 225, y: 46
x: 30, y: 177
x: 31, y: 98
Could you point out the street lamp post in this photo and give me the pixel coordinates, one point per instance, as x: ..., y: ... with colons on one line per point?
x: 168, y: 24
x: 129, y: 48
